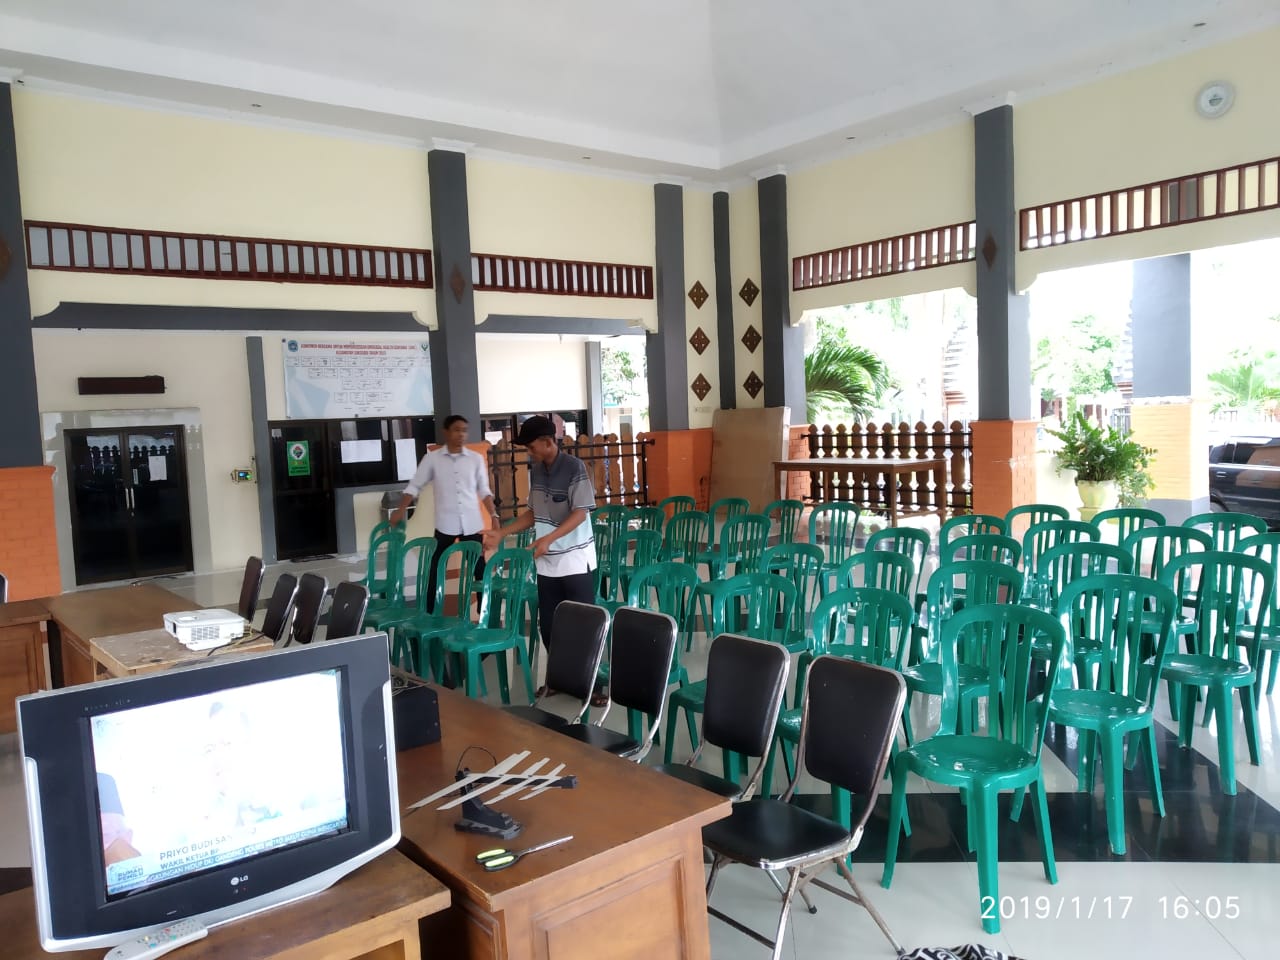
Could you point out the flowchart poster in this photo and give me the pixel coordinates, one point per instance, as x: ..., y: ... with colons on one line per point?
x: 335, y: 381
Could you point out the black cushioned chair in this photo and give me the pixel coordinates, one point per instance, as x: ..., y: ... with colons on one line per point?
x: 746, y: 680
x: 306, y: 609
x: 250, y: 588
x: 578, y: 632
x: 644, y: 643
x: 279, y: 608
x: 346, y: 613
x: 848, y: 722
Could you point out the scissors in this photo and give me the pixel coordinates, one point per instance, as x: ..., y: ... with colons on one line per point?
x: 500, y: 858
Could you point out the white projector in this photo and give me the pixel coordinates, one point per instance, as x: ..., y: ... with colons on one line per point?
x: 204, y: 629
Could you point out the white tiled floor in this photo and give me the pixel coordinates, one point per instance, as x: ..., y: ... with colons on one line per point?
x: 1096, y: 910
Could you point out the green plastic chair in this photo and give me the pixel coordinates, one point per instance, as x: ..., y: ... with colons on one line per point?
x: 967, y: 524
x: 649, y: 518
x: 724, y: 510
x: 1117, y: 614
x: 995, y: 547
x: 801, y: 563
x: 1226, y: 529
x: 1127, y: 520
x: 678, y: 503
x: 1261, y: 639
x: 416, y: 553
x: 1232, y: 590
x: 384, y: 552
x: 1020, y: 518
x: 1007, y: 757
x: 743, y: 540
x: 524, y: 539
x: 756, y: 605
x: 634, y: 550
x: 1040, y: 537
x: 421, y: 633
x: 1063, y: 565
x: 786, y: 514
x: 911, y: 542
x: 685, y: 536
x: 609, y: 525
x: 880, y: 569
x: 501, y: 605
x: 833, y: 526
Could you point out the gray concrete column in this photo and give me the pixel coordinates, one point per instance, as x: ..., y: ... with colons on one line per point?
x: 20, y: 444
x: 725, y: 334
x: 261, y: 446
x: 666, y: 353
x: 783, y: 353
x: 595, y: 389
x: 1004, y: 340
x: 454, y: 377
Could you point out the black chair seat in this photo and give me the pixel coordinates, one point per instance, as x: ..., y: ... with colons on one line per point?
x: 700, y: 778
x: 766, y: 832
x: 619, y: 744
x: 543, y: 718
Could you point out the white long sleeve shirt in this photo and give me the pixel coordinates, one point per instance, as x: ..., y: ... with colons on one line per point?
x: 459, y: 481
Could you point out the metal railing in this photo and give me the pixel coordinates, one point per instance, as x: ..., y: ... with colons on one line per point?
x: 618, y: 469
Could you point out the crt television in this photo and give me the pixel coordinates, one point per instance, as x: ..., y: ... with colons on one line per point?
x: 207, y: 792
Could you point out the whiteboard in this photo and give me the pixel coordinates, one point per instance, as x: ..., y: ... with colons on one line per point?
x: 327, y: 380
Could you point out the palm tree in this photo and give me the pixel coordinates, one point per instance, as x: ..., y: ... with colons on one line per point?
x: 1248, y: 385
x: 842, y: 374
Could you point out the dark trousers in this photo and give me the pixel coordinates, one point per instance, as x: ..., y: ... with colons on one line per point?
x: 443, y: 542
x: 551, y: 590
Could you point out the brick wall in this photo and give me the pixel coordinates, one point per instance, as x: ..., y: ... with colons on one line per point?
x: 28, y: 542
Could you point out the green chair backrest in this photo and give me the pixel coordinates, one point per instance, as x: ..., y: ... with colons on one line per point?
x: 524, y: 539
x: 967, y: 524
x: 759, y: 605
x: 465, y: 554
x: 786, y: 514
x: 1017, y: 520
x: 863, y: 623
x: 668, y: 587
x: 1266, y: 547
x: 1068, y: 562
x: 1119, y: 613
x: 1153, y: 547
x: 649, y: 518
x: 1000, y: 637
x: 743, y: 541
x: 724, y: 510
x: 833, y: 526
x: 386, y: 546
x: 635, y: 549
x: 963, y: 583
x: 419, y: 552
x: 615, y: 516
x: 911, y: 542
x: 678, y: 503
x: 1127, y: 520
x: 502, y: 591
x: 1041, y: 536
x: 1226, y: 529
x: 1229, y: 590
x: 995, y: 547
x: 880, y: 569
x: 686, y: 535
x: 801, y: 563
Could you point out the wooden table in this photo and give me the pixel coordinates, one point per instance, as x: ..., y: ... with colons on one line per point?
x: 372, y: 914
x: 77, y: 619
x: 630, y: 884
x: 22, y: 638
x: 868, y: 470
x: 129, y: 654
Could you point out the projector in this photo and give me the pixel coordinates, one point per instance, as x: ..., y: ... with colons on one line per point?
x: 204, y: 629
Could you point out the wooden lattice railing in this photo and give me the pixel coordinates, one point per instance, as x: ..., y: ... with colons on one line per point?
x: 617, y: 467
x: 953, y: 443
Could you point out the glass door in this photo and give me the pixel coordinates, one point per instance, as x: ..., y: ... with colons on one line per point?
x: 302, y: 482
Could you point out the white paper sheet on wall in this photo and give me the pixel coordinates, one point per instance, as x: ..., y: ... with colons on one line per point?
x: 406, y: 459
x: 361, y: 451
x: 159, y: 467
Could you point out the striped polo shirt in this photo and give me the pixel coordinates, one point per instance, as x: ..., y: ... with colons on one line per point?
x: 554, y: 493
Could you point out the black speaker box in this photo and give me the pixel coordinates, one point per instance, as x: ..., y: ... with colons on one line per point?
x: 415, y: 711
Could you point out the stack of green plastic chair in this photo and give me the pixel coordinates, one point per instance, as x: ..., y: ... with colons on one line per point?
x: 1127, y: 520
x: 833, y: 526
x: 685, y: 536
x: 385, y: 545
x: 754, y: 604
x: 1226, y: 530
x: 786, y: 514
x: 423, y: 630
x: 1116, y: 614
x: 498, y: 630
x: 1261, y: 638
x: 1231, y: 591
x: 1007, y: 757
x: 394, y: 608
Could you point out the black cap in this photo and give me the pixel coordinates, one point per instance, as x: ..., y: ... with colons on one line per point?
x: 533, y: 428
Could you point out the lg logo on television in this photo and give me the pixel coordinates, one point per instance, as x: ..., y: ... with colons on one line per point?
x: 239, y: 880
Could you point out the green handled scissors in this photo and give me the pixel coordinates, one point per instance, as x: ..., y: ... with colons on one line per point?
x: 500, y: 858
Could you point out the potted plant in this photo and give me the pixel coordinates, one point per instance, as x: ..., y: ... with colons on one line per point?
x: 1109, y: 465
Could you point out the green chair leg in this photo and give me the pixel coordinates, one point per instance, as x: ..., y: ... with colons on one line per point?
x: 982, y: 820
x: 1113, y: 787
x: 504, y: 680
x: 1153, y: 771
x: 1274, y: 657
x: 1249, y: 704
x: 897, y: 806
x: 1046, y: 835
x: 1219, y: 697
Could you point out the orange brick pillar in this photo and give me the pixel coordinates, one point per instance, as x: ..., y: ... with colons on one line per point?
x: 28, y: 540
x: 679, y: 462
x: 1003, y: 465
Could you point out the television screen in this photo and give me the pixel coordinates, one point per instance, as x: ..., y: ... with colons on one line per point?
x: 207, y: 792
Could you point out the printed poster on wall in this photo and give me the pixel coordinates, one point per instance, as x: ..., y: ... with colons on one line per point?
x: 299, y: 458
x: 333, y: 381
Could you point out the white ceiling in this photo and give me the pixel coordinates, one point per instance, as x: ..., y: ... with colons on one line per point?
x: 705, y: 89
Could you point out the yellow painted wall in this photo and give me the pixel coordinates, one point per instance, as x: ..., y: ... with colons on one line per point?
x: 106, y: 164
x: 744, y: 257
x: 542, y: 212
x: 1142, y: 126
x: 700, y: 266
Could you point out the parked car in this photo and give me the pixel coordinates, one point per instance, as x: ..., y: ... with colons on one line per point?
x: 1244, y: 477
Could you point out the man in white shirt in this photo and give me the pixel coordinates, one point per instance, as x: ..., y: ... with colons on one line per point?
x: 459, y: 479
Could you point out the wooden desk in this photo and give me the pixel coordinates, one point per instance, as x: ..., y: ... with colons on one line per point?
x: 77, y: 619
x: 629, y: 885
x: 129, y: 654
x: 372, y: 914
x: 22, y: 637
x: 868, y: 470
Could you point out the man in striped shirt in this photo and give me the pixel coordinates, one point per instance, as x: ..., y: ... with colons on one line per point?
x: 561, y: 499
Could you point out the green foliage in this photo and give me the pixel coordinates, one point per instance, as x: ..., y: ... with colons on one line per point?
x: 1076, y: 361
x: 620, y: 381
x: 843, y: 376
x: 1249, y: 384
x: 1104, y: 453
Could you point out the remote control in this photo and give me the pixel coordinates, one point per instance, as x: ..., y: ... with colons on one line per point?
x: 159, y: 941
